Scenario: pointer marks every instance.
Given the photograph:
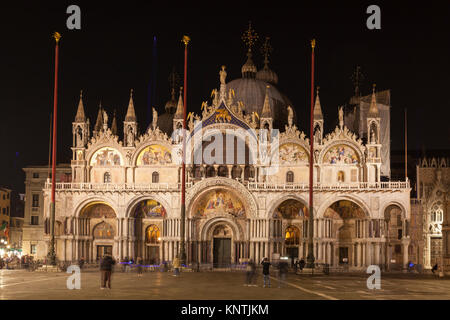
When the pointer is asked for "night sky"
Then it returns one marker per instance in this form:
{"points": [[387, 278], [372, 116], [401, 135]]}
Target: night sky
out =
{"points": [[112, 53]]}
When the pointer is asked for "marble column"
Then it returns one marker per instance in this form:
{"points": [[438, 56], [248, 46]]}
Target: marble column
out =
{"points": [[405, 255]]}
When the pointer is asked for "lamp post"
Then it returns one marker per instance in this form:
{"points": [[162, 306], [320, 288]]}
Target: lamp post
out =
{"points": [[51, 255]]}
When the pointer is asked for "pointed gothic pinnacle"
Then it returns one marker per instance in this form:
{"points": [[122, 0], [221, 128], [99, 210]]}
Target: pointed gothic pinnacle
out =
{"points": [[266, 111], [373, 110], [80, 116], [317, 107], [179, 113], [131, 114]]}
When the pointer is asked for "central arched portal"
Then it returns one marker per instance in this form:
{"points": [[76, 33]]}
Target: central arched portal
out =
{"points": [[222, 237]]}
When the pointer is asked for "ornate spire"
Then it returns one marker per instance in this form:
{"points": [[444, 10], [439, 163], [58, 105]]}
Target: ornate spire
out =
{"points": [[266, 110], [114, 124], [373, 110], [266, 74], [317, 107], [99, 123], [249, 38], [131, 115], [80, 116], [179, 112]]}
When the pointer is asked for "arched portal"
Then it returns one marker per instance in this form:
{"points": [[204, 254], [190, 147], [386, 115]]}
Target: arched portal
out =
{"points": [[146, 219], [344, 224], [289, 229], [395, 231], [222, 238], [152, 244], [96, 224]]}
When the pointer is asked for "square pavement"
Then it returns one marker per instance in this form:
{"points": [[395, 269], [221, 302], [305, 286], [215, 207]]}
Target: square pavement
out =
{"points": [[20, 284]]}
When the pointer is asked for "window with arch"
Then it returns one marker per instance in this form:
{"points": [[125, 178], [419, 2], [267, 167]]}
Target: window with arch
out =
{"points": [[437, 213], [289, 177], [292, 236], [341, 176], [107, 177], [155, 177], [153, 235]]}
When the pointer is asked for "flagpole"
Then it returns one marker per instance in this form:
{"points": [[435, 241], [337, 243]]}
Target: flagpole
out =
{"points": [[406, 146], [51, 251], [310, 258], [185, 40]]}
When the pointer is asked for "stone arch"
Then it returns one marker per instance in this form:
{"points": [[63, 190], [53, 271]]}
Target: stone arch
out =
{"points": [[131, 205], [394, 203], [91, 153], [97, 233], [284, 150], [248, 139], [199, 189], [141, 148], [331, 200], [279, 201], [95, 200], [207, 228], [347, 143]]}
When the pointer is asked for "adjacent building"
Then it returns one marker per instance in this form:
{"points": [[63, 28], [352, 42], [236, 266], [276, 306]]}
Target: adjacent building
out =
{"points": [[33, 242], [5, 213]]}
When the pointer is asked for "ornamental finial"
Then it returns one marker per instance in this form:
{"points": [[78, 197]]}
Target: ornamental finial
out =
{"points": [[250, 37], [186, 40], [266, 50], [57, 36]]}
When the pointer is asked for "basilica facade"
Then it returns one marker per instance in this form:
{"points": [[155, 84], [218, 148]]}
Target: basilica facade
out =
{"points": [[125, 194]]}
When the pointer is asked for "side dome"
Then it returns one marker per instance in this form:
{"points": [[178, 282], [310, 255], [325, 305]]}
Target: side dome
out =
{"points": [[267, 75]]}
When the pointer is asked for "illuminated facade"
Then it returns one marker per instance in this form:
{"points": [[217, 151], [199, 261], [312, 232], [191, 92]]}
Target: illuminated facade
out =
{"points": [[124, 197]]}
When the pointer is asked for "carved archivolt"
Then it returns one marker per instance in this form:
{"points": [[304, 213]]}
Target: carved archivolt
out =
{"points": [[199, 189]]}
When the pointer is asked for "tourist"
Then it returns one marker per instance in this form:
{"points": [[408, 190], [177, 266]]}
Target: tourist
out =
{"points": [[251, 268], [81, 263], [295, 266], [266, 274], [282, 271], [140, 262], [176, 266], [435, 268], [301, 264], [106, 269]]}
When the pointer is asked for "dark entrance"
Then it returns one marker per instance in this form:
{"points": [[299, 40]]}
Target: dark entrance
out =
{"points": [[153, 254], [343, 255], [102, 250], [292, 252], [222, 252]]}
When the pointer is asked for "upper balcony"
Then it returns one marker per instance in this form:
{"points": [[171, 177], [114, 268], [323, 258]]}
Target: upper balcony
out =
{"points": [[252, 186]]}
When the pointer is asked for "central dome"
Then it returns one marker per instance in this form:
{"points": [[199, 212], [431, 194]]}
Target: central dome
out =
{"points": [[252, 92]]}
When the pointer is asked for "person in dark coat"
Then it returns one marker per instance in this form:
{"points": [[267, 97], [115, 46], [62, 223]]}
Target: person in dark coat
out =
{"points": [[140, 268], [266, 273], [435, 268], [282, 271], [81, 263], [301, 264], [106, 266]]}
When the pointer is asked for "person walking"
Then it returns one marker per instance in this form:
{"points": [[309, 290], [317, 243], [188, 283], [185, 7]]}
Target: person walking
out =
{"points": [[282, 271], [140, 262], [266, 274], [106, 266], [435, 268], [248, 273], [301, 264], [176, 266]]}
